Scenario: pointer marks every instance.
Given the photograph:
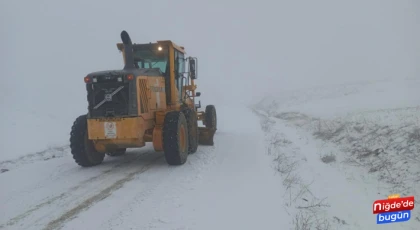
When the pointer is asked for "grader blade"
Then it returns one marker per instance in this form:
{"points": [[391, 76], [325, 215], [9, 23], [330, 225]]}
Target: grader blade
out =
{"points": [[206, 136]]}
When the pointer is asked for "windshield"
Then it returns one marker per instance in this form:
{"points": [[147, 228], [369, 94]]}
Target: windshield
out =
{"points": [[150, 56]]}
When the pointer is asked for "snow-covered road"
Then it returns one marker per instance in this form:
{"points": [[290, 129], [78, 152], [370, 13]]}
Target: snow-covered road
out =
{"points": [[300, 161], [227, 186]]}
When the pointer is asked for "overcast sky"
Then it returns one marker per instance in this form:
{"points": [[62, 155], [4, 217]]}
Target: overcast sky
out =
{"points": [[245, 48]]}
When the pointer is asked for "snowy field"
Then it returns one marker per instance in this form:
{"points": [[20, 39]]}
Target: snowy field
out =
{"points": [[307, 159], [339, 148]]}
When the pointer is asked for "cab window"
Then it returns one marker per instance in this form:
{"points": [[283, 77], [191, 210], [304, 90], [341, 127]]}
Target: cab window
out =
{"points": [[179, 70]]}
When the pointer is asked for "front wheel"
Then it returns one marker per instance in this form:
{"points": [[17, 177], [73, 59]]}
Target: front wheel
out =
{"points": [[211, 117], [82, 149], [191, 117], [175, 138]]}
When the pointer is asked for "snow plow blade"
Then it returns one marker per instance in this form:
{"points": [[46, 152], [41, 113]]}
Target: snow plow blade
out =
{"points": [[206, 136]]}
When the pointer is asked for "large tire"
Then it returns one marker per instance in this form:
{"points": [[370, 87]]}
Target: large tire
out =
{"points": [[211, 117], [175, 138], [82, 149], [117, 153], [191, 117]]}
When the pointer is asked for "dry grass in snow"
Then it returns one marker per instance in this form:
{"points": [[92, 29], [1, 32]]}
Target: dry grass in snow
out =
{"points": [[307, 210], [387, 151], [372, 130]]}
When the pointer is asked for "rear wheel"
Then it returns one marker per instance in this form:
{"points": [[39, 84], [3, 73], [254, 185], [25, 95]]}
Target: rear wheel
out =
{"points": [[175, 138], [82, 149], [211, 117], [191, 117], [116, 153]]}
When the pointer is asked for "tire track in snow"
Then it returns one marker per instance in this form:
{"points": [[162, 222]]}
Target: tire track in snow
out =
{"points": [[61, 172], [69, 196], [20, 217], [63, 195], [150, 196], [98, 197]]}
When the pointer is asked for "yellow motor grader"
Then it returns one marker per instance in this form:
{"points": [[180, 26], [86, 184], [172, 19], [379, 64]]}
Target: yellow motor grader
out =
{"points": [[152, 99]]}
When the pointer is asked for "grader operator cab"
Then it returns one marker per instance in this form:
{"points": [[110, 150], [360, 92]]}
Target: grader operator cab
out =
{"points": [[152, 99]]}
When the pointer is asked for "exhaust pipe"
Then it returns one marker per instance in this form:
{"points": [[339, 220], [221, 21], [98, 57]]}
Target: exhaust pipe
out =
{"points": [[128, 50]]}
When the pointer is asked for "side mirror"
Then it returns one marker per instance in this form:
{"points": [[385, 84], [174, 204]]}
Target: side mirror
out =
{"points": [[197, 94], [193, 69]]}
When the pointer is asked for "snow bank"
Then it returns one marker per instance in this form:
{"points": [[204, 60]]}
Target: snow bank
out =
{"points": [[371, 130]]}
